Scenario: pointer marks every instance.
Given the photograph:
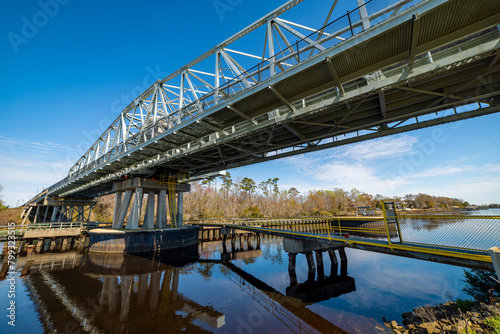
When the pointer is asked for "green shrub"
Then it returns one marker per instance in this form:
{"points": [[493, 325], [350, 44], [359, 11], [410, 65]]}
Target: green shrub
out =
{"points": [[495, 323], [465, 305]]}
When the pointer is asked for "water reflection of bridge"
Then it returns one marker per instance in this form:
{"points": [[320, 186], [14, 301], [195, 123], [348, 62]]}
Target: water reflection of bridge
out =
{"points": [[113, 293], [119, 292]]}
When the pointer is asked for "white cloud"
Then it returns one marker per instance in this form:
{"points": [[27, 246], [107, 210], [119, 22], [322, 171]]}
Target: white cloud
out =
{"points": [[26, 167], [380, 148], [443, 170], [381, 167]]}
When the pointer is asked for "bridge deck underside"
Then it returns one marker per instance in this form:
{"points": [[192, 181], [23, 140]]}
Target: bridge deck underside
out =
{"points": [[309, 112]]}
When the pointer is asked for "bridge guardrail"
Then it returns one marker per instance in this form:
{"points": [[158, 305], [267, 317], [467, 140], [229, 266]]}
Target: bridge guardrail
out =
{"points": [[330, 34], [465, 234], [468, 233]]}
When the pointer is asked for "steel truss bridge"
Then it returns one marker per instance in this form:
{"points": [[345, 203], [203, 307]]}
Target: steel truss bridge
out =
{"points": [[382, 68]]}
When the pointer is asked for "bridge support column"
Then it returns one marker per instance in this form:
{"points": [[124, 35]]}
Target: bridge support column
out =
{"points": [[36, 214], [343, 262], [319, 264], [161, 210], [292, 257], [138, 187], [180, 204], [333, 259], [149, 216], [54, 213], [122, 210], [312, 268], [135, 212], [118, 204]]}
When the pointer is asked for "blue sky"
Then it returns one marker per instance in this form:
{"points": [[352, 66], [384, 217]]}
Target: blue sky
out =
{"points": [[70, 66]]}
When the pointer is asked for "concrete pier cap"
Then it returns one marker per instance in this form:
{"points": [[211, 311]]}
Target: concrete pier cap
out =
{"points": [[304, 246], [148, 185]]}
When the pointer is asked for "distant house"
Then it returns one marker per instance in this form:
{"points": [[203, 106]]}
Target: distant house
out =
{"points": [[366, 210]]}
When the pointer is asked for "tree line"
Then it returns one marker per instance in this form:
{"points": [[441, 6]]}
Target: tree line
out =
{"points": [[2, 205], [245, 198]]}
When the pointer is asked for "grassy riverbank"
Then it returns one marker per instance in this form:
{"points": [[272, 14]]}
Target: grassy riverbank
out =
{"points": [[10, 215]]}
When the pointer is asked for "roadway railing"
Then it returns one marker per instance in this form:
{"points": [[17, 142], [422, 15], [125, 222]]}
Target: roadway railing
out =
{"points": [[61, 225], [306, 47]]}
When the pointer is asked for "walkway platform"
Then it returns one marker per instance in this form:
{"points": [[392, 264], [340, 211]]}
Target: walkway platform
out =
{"points": [[441, 254]]}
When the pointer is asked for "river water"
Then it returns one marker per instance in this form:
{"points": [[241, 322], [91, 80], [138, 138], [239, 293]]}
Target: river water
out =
{"points": [[196, 292]]}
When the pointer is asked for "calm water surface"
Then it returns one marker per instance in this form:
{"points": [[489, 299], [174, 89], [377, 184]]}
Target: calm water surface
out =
{"points": [[196, 292]]}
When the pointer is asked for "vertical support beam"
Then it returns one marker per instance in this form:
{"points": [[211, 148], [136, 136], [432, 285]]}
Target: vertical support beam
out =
{"points": [[161, 210], [343, 262], [71, 211], [217, 77], [181, 98], [135, 212], [311, 267], [149, 217], [64, 244], [415, 31], [118, 204], [292, 257], [81, 214], [54, 213], [123, 209], [335, 265], [319, 264], [90, 211], [180, 204], [363, 14], [36, 214], [45, 215], [270, 41]]}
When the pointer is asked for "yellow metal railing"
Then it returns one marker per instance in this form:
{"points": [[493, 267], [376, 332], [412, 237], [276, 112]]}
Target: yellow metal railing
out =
{"points": [[461, 236]]}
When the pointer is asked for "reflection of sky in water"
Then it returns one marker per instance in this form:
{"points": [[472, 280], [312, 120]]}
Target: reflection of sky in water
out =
{"points": [[470, 233], [386, 286], [26, 317]]}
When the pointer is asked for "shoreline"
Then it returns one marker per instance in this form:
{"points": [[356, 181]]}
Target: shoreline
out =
{"points": [[451, 317]]}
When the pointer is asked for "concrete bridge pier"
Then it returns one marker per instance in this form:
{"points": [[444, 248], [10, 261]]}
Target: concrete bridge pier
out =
{"points": [[292, 257], [311, 273], [129, 194], [333, 259], [319, 264]]}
